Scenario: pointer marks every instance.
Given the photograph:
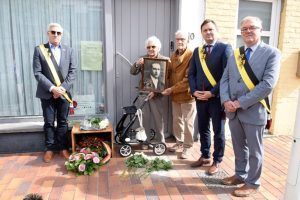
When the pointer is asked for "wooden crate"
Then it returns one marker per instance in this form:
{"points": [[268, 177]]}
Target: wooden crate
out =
{"points": [[105, 134]]}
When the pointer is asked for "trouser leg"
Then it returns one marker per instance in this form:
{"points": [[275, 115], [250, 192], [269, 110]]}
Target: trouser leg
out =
{"points": [[188, 114], [62, 123], [178, 122], [203, 126], [49, 111]]}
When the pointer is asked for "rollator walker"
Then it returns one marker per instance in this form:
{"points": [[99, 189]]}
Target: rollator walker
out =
{"points": [[127, 136]]}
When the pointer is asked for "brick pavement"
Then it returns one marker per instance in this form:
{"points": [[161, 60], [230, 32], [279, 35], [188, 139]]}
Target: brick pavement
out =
{"points": [[21, 174]]}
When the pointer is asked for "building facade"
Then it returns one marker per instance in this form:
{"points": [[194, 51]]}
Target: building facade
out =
{"points": [[108, 35]]}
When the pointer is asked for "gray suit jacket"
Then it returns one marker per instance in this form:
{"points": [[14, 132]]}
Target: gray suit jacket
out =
{"points": [[265, 63], [44, 77]]}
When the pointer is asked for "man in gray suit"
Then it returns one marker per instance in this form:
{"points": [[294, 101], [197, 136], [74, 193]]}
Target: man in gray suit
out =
{"points": [[54, 68], [251, 74]]}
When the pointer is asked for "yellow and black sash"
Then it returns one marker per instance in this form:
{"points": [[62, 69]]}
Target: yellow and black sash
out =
{"points": [[53, 66], [205, 68], [248, 75]]}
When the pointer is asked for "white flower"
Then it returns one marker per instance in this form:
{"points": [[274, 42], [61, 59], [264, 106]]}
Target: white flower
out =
{"points": [[104, 123]]}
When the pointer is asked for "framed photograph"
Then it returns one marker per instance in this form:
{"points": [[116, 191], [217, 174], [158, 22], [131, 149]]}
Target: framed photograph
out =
{"points": [[154, 74]]}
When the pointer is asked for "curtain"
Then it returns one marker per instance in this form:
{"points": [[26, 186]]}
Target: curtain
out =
{"points": [[23, 24]]}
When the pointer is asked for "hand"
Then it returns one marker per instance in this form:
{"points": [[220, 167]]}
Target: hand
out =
{"points": [[230, 106], [140, 61], [58, 91], [203, 95], [237, 104], [167, 91], [150, 95]]}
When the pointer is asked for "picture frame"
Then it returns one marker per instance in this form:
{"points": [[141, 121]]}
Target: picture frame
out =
{"points": [[154, 75]]}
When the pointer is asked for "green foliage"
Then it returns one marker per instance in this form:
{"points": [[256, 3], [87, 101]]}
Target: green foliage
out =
{"points": [[140, 162], [158, 164], [136, 161], [95, 121]]}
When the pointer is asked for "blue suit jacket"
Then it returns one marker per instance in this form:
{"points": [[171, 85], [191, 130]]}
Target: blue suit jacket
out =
{"points": [[43, 75], [265, 63], [216, 62]]}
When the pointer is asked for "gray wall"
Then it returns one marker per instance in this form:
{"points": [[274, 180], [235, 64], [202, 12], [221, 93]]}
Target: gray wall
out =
{"points": [[135, 21]]}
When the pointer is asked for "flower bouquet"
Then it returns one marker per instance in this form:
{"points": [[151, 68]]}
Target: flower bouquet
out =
{"points": [[89, 159], [95, 123]]}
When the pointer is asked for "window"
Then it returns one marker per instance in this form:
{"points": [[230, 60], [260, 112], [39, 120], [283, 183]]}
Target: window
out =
{"points": [[23, 28], [268, 11]]}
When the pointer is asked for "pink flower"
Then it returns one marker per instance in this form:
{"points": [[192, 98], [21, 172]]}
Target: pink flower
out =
{"points": [[82, 150], [72, 158], [77, 157], [81, 167], [88, 156], [85, 151], [94, 154], [96, 160]]}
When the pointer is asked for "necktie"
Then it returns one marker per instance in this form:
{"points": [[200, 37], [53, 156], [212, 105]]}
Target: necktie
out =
{"points": [[208, 49], [248, 51]]}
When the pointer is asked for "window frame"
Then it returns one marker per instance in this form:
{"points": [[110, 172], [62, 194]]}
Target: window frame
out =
{"points": [[273, 34]]}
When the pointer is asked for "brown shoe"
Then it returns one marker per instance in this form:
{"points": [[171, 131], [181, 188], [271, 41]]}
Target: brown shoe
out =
{"points": [[214, 168], [175, 147], [201, 162], [48, 156], [65, 154], [245, 191], [232, 180]]}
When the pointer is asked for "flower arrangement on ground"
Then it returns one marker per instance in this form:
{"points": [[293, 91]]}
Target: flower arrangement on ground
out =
{"points": [[145, 165], [89, 159]]}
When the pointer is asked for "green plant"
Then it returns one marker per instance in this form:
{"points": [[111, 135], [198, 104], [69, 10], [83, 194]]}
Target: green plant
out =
{"points": [[95, 122], [146, 166], [138, 160], [159, 164]]}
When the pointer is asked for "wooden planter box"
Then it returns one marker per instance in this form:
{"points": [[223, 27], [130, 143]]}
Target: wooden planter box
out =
{"points": [[104, 134]]}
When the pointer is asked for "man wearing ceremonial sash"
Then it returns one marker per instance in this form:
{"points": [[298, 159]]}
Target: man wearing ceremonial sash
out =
{"points": [[206, 68], [251, 74], [54, 68]]}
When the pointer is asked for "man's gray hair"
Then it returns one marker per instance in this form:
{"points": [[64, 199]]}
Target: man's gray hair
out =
{"points": [[155, 40], [54, 25], [182, 32], [251, 18]]}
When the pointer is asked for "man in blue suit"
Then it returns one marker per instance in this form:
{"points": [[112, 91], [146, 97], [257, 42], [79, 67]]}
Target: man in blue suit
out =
{"points": [[206, 69], [251, 74], [54, 68]]}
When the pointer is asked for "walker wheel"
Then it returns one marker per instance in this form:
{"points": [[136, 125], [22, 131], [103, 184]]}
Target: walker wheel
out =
{"points": [[159, 149], [118, 139], [152, 134], [125, 150]]}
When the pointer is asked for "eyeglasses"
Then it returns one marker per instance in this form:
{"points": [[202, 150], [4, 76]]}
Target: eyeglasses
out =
{"points": [[251, 28], [149, 47], [55, 32]]}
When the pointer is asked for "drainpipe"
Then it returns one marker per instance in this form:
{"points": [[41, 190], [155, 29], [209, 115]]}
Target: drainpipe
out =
{"points": [[292, 190]]}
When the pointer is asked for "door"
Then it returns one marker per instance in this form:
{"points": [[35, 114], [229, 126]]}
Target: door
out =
{"points": [[134, 22]]}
